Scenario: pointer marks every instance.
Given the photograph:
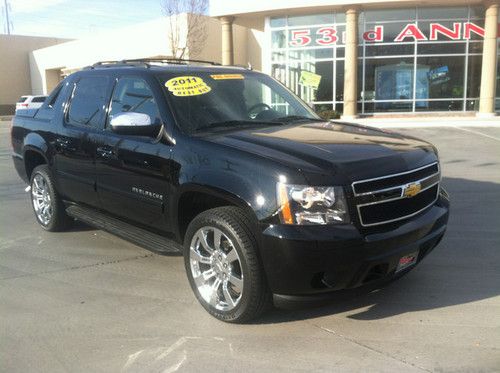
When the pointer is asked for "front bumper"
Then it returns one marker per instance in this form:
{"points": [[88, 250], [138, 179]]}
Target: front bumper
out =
{"points": [[306, 260]]}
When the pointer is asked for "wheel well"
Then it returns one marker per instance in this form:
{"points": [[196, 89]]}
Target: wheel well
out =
{"points": [[193, 203], [31, 160]]}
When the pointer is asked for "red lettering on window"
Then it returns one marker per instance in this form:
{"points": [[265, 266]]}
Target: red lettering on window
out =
{"points": [[329, 34], [411, 31], [454, 34], [377, 34], [300, 38], [470, 27]]}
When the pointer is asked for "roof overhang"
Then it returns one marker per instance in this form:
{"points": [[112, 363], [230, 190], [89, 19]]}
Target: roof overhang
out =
{"points": [[252, 13]]}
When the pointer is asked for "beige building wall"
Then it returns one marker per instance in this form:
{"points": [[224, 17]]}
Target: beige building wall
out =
{"points": [[15, 67]]}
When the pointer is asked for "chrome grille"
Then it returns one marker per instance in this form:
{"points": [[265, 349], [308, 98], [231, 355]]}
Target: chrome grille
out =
{"points": [[398, 196]]}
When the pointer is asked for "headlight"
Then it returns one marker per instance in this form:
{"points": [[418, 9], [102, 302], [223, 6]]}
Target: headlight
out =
{"points": [[302, 204]]}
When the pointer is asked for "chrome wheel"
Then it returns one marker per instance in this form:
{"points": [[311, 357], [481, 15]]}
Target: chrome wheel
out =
{"points": [[216, 268], [42, 202]]}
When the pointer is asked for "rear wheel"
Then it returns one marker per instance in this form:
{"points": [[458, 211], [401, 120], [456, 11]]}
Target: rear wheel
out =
{"points": [[223, 267], [48, 207]]}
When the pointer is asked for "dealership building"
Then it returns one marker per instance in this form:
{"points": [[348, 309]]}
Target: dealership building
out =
{"points": [[374, 57], [355, 58]]}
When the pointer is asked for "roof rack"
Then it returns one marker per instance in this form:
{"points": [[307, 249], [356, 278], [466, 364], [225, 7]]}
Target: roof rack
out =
{"points": [[146, 62], [180, 61]]}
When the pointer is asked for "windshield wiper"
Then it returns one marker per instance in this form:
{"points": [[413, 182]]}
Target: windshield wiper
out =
{"points": [[235, 123], [294, 118]]}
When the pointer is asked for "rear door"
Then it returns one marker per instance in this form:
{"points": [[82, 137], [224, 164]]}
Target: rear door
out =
{"points": [[75, 144], [133, 171]]}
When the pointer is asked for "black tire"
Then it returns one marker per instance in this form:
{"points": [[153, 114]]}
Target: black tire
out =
{"points": [[58, 220], [237, 227]]}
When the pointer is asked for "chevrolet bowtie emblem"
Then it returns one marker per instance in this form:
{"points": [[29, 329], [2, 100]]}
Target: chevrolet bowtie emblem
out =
{"points": [[411, 190]]}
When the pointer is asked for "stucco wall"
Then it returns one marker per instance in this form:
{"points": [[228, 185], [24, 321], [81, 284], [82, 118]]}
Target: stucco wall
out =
{"points": [[15, 67]]}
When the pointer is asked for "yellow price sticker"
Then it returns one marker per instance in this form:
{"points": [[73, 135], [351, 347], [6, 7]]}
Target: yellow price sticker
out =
{"points": [[187, 86], [227, 76]]}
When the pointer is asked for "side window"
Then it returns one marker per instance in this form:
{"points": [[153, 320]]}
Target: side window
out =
{"points": [[134, 95], [47, 111], [51, 100], [39, 99], [88, 102]]}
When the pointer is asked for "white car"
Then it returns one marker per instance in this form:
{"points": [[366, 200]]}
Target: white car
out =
{"points": [[30, 102]]}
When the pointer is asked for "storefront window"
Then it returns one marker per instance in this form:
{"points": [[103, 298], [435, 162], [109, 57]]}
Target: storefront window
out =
{"points": [[442, 48], [453, 13], [278, 21], [474, 65], [306, 51], [442, 76], [315, 19], [407, 14], [278, 39], [389, 50], [411, 59]]}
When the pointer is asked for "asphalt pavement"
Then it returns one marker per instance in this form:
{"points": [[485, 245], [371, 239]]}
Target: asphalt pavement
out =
{"points": [[87, 301]]}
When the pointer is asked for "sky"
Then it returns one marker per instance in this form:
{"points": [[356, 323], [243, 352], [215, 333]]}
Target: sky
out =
{"points": [[75, 19]]}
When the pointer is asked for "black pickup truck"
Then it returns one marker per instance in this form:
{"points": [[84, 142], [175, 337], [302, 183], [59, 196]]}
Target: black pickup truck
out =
{"points": [[268, 199]]}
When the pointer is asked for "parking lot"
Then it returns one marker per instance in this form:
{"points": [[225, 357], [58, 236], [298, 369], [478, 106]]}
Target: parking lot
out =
{"points": [[85, 300]]}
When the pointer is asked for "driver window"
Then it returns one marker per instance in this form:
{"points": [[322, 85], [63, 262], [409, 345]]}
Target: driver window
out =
{"points": [[134, 95]]}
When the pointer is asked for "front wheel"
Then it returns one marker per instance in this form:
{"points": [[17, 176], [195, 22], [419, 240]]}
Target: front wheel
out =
{"points": [[222, 265]]}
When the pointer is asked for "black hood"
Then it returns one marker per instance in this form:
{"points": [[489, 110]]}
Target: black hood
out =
{"points": [[355, 151]]}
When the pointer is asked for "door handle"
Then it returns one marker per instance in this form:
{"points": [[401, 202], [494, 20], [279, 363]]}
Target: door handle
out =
{"points": [[105, 152]]}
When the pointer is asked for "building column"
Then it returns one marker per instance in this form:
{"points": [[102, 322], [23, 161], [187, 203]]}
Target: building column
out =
{"points": [[227, 40], [351, 65], [489, 64]]}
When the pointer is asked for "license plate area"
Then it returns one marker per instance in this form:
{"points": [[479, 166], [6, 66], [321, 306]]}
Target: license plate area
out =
{"points": [[407, 261]]}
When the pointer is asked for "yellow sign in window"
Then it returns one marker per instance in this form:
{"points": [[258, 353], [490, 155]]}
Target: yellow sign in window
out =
{"points": [[309, 79], [187, 86]]}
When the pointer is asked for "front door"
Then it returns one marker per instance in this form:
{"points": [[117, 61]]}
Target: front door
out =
{"points": [[133, 171]]}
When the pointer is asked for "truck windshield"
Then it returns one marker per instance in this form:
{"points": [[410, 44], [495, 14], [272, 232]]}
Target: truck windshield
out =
{"points": [[205, 101]]}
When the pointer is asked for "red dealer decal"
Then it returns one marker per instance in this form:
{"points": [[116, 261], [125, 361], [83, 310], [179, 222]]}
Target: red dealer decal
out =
{"points": [[377, 34], [454, 34], [329, 35], [300, 38], [471, 27], [411, 31]]}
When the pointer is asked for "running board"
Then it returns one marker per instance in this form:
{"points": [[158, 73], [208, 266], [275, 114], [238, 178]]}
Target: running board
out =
{"points": [[146, 239]]}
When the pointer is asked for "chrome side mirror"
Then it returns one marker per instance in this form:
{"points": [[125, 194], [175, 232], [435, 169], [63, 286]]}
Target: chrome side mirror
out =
{"points": [[134, 124]]}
